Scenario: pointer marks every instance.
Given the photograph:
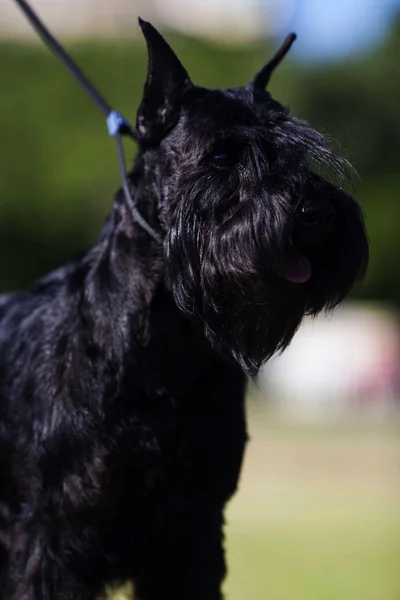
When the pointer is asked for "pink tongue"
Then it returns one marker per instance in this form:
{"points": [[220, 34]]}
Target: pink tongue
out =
{"points": [[298, 270]]}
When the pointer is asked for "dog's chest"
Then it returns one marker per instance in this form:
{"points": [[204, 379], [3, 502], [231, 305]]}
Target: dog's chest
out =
{"points": [[195, 442]]}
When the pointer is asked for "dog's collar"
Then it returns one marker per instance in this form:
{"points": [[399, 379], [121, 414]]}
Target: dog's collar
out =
{"points": [[116, 124]]}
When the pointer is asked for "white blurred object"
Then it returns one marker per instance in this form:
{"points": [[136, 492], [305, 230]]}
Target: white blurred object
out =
{"points": [[239, 20], [350, 358], [76, 18], [229, 19]]}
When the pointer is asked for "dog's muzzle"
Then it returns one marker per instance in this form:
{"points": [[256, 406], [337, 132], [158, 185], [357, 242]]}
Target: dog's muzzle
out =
{"points": [[314, 225]]}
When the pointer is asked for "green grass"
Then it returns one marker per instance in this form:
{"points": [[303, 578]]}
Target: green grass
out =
{"points": [[317, 515]]}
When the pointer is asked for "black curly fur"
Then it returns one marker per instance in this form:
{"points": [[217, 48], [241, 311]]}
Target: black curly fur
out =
{"points": [[122, 424]]}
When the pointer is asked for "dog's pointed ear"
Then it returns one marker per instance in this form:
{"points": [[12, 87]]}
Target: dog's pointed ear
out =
{"points": [[262, 78], [167, 81]]}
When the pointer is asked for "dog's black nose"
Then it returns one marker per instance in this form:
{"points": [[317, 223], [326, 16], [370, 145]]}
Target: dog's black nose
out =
{"points": [[317, 215], [314, 224]]}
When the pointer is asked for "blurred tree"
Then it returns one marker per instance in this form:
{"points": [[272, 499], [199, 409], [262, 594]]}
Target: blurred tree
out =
{"points": [[58, 169]]}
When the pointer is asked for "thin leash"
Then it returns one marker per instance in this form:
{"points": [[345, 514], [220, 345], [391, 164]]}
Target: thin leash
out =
{"points": [[117, 125]]}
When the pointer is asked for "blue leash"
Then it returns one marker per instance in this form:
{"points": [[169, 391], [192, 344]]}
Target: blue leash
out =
{"points": [[117, 125]]}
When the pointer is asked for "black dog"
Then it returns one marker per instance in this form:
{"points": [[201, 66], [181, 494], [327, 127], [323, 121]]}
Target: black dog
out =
{"points": [[122, 424]]}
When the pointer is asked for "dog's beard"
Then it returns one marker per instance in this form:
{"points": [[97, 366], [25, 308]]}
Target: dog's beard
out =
{"points": [[341, 263], [220, 279], [232, 264], [250, 323], [230, 276]]}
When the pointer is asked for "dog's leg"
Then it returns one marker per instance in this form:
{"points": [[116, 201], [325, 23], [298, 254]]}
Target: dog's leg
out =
{"points": [[32, 570], [40, 589], [183, 557], [187, 561]]}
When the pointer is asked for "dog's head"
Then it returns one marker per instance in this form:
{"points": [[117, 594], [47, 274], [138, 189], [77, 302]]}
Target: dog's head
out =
{"points": [[256, 236]]}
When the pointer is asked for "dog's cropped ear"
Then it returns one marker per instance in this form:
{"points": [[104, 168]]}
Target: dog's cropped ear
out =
{"points": [[262, 78], [167, 80]]}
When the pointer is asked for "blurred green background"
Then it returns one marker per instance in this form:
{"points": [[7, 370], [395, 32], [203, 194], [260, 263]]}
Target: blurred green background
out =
{"points": [[317, 516], [58, 168]]}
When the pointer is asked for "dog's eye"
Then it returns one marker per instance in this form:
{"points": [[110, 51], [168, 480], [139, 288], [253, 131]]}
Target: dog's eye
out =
{"points": [[222, 161], [224, 158]]}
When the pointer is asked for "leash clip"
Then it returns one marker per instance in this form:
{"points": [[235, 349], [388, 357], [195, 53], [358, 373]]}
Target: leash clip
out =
{"points": [[116, 123]]}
